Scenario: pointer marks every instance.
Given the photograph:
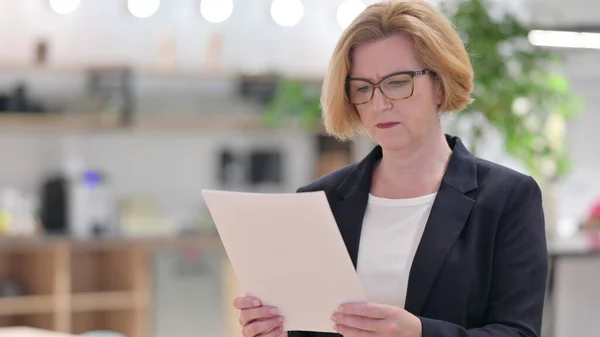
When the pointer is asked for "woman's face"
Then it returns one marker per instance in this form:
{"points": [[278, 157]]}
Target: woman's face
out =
{"points": [[394, 124]]}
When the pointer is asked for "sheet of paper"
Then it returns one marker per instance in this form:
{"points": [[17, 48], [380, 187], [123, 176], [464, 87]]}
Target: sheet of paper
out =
{"points": [[287, 250]]}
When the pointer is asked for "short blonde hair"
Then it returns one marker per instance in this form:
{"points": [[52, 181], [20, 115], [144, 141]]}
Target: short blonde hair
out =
{"points": [[437, 45]]}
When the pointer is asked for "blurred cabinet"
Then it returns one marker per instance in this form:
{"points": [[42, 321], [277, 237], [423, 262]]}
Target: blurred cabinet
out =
{"points": [[188, 292], [76, 287], [109, 289], [28, 293]]}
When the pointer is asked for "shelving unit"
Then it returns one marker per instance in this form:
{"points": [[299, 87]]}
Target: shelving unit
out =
{"points": [[102, 122], [74, 287]]}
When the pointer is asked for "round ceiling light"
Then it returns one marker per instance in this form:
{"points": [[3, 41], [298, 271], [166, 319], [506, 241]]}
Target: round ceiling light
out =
{"points": [[287, 13], [216, 11], [143, 8], [64, 6]]}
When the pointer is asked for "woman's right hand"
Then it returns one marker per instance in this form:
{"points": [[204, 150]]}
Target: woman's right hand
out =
{"points": [[258, 320]]}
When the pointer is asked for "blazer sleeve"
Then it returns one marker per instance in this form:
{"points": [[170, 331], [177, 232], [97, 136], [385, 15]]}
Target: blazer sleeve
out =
{"points": [[520, 269]]}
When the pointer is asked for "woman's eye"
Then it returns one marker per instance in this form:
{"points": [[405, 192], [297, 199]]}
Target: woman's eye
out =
{"points": [[397, 83]]}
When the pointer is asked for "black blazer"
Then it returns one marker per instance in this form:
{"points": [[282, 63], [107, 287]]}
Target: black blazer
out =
{"points": [[481, 266]]}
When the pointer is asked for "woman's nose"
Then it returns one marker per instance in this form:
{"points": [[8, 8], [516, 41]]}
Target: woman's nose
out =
{"points": [[380, 102]]}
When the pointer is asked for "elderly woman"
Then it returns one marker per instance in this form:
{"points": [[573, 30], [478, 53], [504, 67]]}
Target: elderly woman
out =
{"points": [[445, 244]]}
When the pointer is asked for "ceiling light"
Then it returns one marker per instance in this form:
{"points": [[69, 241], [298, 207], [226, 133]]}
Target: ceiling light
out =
{"points": [[216, 11], [564, 39], [287, 13], [64, 6], [143, 8], [348, 10]]}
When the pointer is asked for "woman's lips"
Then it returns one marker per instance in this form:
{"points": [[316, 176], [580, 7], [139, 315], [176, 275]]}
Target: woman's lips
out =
{"points": [[386, 125]]}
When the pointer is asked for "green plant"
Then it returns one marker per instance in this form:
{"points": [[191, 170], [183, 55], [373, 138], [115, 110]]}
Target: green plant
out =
{"points": [[295, 99], [517, 87]]}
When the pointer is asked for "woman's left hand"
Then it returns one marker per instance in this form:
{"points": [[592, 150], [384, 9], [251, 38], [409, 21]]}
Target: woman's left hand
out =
{"points": [[375, 320]]}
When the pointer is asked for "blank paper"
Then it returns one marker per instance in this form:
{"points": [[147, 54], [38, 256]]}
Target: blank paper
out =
{"points": [[287, 250]]}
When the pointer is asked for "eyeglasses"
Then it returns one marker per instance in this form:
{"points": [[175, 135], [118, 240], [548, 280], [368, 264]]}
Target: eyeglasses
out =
{"points": [[395, 87]]}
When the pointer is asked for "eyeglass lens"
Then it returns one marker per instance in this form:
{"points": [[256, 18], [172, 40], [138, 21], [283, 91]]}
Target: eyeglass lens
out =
{"points": [[395, 87]]}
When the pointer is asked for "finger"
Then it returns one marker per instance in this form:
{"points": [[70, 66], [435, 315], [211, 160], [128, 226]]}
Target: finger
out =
{"points": [[360, 322], [249, 315], [347, 331], [372, 310], [261, 326], [277, 332], [246, 302]]}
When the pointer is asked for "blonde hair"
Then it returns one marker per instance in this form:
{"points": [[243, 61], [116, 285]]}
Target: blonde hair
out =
{"points": [[437, 45]]}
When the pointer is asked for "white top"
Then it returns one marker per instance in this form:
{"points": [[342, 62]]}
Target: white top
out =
{"points": [[391, 232]]}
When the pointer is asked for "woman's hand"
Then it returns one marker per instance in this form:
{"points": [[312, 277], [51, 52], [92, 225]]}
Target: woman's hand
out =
{"points": [[375, 320], [259, 320]]}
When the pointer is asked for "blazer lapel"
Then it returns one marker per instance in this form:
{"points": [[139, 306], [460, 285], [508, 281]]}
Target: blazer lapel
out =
{"points": [[449, 213], [349, 215], [349, 209]]}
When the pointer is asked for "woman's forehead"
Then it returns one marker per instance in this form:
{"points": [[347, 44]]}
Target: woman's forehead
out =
{"points": [[377, 59]]}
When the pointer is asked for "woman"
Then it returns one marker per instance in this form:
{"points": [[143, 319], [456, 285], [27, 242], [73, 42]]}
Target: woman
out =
{"points": [[444, 243]]}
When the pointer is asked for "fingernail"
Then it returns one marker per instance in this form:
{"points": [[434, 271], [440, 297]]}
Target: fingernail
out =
{"points": [[280, 320], [333, 318], [274, 311], [335, 327], [256, 303]]}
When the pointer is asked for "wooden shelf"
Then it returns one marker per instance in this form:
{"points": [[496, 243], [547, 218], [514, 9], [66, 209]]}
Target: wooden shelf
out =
{"points": [[126, 322], [57, 122], [104, 123], [44, 245], [39, 321], [26, 305], [107, 301], [306, 75]]}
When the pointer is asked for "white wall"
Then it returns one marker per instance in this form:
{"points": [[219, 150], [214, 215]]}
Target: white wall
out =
{"points": [[577, 294], [559, 13]]}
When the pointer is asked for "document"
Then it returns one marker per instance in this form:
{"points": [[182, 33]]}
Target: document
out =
{"points": [[287, 250]]}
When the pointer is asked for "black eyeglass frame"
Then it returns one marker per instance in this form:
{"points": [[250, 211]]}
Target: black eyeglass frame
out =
{"points": [[377, 85]]}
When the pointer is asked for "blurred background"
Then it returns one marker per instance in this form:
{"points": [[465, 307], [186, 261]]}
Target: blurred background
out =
{"points": [[115, 114]]}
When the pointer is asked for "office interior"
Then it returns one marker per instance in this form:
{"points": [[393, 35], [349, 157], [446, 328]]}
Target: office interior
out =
{"points": [[115, 114]]}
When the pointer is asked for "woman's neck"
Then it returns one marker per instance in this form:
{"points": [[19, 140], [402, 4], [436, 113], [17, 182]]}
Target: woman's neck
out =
{"points": [[412, 172]]}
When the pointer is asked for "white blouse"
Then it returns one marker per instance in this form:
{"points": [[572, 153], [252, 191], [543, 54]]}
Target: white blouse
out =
{"points": [[391, 232]]}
